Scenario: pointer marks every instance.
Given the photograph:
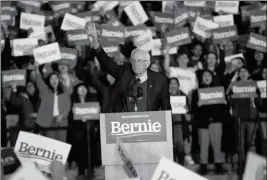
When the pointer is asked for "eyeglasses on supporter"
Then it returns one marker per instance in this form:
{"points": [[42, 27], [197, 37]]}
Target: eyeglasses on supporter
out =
{"points": [[132, 61]]}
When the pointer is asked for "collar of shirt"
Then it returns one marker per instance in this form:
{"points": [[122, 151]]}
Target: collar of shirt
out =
{"points": [[143, 78]]}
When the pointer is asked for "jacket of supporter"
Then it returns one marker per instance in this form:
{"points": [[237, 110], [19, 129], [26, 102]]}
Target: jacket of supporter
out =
{"points": [[26, 109], [206, 114], [158, 92], [45, 112]]}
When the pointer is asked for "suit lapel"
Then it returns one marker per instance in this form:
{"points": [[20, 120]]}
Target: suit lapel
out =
{"points": [[150, 87]]}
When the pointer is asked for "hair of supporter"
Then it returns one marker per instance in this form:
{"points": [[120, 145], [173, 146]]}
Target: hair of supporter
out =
{"points": [[176, 79], [211, 52], [240, 58], [60, 88], [147, 56], [75, 95], [154, 62]]}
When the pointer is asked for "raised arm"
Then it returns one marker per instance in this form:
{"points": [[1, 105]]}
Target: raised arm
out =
{"points": [[105, 61], [41, 86], [166, 63]]}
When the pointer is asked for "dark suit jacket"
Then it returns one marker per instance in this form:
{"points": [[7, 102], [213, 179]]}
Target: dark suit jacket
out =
{"points": [[158, 91]]}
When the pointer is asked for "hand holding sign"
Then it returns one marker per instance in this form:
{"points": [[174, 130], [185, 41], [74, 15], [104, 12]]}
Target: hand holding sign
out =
{"points": [[91, 31]]}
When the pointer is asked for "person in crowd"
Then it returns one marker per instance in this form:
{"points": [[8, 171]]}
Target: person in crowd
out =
{"points": [[258, 63], [78, 133], [197, 56], [245, 109], [182, 138], [187, 78], [261, 104], [210, 118], [155, 66], [154, 86], [55, 105], [25, 102], [68, 80]]}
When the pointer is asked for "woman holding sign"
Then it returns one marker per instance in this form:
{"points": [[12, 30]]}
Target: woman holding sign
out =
{"points": [[210, 109], [55, 105]]}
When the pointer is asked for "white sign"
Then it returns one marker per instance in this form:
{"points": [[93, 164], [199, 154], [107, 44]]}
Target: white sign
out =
{"points": [[47, 53], [41, 150], [158, 50], [230, 7], [24, 46], [71, 22], [136, 13], [27, 171], [195, 3], [224, 21], [144, 41], [178, 104], [202, 27], [169, 170], [34, 21], [106, 6], [262, 86], [229, 59], [255, 167], [39, 35]]}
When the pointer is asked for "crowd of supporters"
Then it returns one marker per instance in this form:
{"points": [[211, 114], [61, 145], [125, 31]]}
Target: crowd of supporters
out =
{"points": [[200, 64]]}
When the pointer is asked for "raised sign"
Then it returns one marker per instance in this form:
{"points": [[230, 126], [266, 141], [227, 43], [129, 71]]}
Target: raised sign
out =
{"points": [[88, 111]]}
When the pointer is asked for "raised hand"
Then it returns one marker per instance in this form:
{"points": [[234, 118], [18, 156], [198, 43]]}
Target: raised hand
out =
{"points": [[91, 31]]}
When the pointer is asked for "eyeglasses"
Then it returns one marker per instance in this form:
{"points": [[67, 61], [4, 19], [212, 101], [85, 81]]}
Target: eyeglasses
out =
{"points": [[139, 61]]}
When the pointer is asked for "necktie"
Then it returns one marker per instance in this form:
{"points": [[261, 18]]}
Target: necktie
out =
{"points": [[138, 81]]}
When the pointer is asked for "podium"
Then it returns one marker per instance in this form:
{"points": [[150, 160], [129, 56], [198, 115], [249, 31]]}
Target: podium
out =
{"points": [[147, 137]]}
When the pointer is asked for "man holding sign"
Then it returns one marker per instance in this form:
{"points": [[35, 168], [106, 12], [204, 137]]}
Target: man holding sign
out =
{"points": [[137, 88]]}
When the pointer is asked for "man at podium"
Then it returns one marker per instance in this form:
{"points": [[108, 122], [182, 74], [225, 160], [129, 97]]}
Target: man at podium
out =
{"points": [[137, 88]]}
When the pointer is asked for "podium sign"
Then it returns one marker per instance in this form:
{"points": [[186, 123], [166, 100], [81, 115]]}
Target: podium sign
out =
{"points": [[146, 136]]}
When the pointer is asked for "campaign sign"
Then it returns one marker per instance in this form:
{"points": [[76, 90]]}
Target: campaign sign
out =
{"points": [[178, 104], [224, 20], [244, 89], [209, 96], [88, 111], [220, 35], [230, 7], [180, 17], [7, 17], [136, 13], [14, 76], [257, 18], [203, 27], [71, 22], [132, 31], [125, 157], [61, 7], [144, 41], [34, 21], [257, 42], [90, 16], [158, 48], [255, 167], [104, 6], [138, 127], [40, 35], [178, 37], [34, 5], [27, 171], [113, 32], [262, 87], [47, 53], [70, 55], [161, 18], [195, 3], [24, 46], [41, 150], [9, 160], [169, 170], [77, 37], [111, 47]]}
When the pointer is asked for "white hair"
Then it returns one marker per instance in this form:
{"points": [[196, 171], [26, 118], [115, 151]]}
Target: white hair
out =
{"points": [[146, 54]]}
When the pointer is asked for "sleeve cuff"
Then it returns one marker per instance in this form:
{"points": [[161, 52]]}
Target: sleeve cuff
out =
{"points": [[98, 49]]}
